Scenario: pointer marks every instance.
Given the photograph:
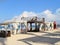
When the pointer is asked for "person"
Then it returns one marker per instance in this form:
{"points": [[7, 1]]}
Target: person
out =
{"points": [[17, 31], [12, 29], [51, 25], [54, 24]]}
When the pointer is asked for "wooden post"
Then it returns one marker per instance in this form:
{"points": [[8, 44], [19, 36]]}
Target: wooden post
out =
{"points": [[36, 26], [30, 26], [44, 23], [27, 27]]}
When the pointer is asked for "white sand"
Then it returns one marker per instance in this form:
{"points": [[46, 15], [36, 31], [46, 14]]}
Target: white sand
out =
{"points": [[33, 38]]}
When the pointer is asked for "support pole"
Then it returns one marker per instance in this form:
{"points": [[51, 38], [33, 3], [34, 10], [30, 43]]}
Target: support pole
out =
{"points": [[36, 26], [30, 26], [44, 23], [27, 27]]}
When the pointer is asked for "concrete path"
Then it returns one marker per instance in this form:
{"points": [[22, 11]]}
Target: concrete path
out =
{"points": [[33, 38]]}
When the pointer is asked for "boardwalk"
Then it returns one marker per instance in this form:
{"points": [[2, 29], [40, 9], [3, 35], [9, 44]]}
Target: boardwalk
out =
{"points": [[33, 38]]}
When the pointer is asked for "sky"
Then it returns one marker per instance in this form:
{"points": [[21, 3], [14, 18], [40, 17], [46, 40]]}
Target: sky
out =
{"points": [[12, 8]]}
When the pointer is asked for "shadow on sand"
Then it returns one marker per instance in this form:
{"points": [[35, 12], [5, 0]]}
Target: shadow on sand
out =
{"points": [[42, 39], [52, 34]]}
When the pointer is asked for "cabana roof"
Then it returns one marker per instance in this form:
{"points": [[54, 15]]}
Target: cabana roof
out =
{"points": [[33, 21]]}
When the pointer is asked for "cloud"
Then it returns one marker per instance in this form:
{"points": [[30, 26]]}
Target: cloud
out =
{"points": [[24, 14], [58, 11], [58, 14], [47, 14], [28, 14]]}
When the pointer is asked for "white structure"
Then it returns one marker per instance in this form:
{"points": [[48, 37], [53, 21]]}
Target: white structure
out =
{"points": [[48, 25]]}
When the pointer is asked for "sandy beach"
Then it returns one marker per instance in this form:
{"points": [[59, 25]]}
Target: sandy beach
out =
{"points": [[51, 37]]}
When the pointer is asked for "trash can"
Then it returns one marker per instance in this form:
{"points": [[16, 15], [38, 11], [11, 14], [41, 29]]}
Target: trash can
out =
{"points": [[3, 34], [8, 33]]}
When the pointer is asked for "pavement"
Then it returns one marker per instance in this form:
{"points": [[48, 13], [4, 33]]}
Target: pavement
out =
{"points": [[51, 37]]}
